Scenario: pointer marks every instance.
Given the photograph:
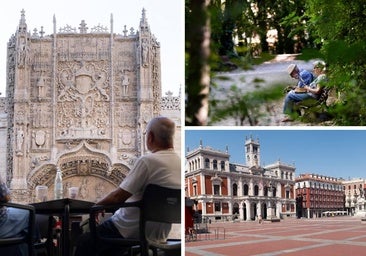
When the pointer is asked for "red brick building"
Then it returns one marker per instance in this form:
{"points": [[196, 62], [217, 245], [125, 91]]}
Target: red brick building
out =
{"points": [[318, 195], [223, 190]]}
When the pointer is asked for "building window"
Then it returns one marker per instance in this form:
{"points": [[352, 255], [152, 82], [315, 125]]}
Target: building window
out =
{"points": [[235, 189], [215, 164], [207, 163], [265, 191], [194, 189], [287, 194], [216, 189], [217, 207], [256, 190], [222, 166], [245, 190]]}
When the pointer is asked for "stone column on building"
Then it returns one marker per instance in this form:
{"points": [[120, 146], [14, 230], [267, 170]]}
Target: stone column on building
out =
{"points": [[261, 188], [229, 186], [251, 188], [240, 187], [259, 209], [203, 187], [241, 211], [249, 210]]}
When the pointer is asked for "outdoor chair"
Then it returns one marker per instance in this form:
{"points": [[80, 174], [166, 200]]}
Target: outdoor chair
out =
{"points": [[44, 233], [158, 204], [28, 238]]}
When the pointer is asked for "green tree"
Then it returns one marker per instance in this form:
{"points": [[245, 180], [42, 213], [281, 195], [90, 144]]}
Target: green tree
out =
{"points": [[339, 26], [197, 69]]}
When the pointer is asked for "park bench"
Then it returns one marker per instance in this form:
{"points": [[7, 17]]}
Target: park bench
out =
{"points": [[314, 109]]}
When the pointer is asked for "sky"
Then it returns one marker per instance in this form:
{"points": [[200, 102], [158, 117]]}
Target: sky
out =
{"points": [[333, 153], [165, 17]]}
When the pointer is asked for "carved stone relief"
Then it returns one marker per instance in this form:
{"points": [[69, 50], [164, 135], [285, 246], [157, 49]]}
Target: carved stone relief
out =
{"points": [[83, 100], [60, 92]]}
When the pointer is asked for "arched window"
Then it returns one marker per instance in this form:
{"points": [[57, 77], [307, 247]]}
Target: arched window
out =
{"points": [[256, 190], [265, 191], [222, 166], [246, 190], [207, 163], [215, 164], [235, 189]]}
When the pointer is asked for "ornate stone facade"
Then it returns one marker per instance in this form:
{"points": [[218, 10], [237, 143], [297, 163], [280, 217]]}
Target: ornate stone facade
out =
{"points": [[80, 100]]}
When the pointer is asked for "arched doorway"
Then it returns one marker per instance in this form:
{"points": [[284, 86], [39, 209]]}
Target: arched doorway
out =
{"points": [[92, 172], [235, 211], [253, 211], [244, 211], [264, 211]]}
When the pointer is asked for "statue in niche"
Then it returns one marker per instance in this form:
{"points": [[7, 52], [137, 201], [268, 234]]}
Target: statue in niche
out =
{"points": [[41, 84], [20, 141], [145, 53], [23, 55], [125, 83]]}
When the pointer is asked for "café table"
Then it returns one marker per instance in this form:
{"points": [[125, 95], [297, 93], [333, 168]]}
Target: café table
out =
{"points": [[64, 208]]}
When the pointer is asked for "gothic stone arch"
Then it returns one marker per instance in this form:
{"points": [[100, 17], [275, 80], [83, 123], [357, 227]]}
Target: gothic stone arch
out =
{"points": [[90, 171]]}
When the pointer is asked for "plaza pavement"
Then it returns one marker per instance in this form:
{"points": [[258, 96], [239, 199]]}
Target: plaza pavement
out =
{"points": [[332, 236]]}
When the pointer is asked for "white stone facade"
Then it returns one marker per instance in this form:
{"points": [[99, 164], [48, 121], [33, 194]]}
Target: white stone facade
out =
{"points": [[79, 100]]}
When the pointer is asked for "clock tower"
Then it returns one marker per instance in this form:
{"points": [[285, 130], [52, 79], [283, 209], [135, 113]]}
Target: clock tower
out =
{"points": [[252, 152]]}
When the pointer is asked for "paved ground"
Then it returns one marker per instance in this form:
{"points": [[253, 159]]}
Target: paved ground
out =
{"points": [[334, 236]]}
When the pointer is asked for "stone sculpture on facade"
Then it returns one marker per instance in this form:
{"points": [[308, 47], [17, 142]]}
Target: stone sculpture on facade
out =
{"points": [[79, 100]]}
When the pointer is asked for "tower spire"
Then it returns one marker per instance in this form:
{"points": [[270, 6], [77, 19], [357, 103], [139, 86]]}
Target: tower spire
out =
{"points": [[22, 24], [144, 26]]}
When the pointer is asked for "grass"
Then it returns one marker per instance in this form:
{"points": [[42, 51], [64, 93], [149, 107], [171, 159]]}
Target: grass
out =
{"points": [[264, 56], [309, 54]]}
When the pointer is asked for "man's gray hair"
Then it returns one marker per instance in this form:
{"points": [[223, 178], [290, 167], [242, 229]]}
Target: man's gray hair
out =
{"points": [[163, 129]]}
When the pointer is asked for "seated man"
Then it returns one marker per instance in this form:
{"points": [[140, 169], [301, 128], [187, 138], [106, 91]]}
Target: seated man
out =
{"points": [[13, 223], [299, 93], [162, 167]]}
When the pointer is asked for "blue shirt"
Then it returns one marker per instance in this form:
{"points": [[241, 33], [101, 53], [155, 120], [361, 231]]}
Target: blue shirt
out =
{"points": [[305, 78]]}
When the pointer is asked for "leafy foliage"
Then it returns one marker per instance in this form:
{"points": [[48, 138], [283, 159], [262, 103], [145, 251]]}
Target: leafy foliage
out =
{"points": [[250, 106], [340, 26]]}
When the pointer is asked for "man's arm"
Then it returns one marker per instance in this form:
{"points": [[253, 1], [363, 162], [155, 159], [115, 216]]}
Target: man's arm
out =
{"points": [[306, 77], [117, 196]]}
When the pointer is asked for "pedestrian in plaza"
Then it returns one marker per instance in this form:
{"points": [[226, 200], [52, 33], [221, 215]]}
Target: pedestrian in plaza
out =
{"points": [[260, 220], [300, 92], [13, 223], [161, 167]]}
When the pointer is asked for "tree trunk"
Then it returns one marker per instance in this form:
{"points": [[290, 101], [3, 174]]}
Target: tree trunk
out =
{"points": [[198, 70]]}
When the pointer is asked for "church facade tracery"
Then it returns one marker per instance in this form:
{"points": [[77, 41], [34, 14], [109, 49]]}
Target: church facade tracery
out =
{"points": [[78, 99]]}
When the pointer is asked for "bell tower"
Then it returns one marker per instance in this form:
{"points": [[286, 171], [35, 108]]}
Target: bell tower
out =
{"points": [[252, 152]]}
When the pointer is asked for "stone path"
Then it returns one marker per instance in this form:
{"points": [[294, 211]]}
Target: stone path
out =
{"points": [[333, 236], [271, 72]]}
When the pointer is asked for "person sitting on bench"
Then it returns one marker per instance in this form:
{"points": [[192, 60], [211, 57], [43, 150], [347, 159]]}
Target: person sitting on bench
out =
{"points": [[308, 91]]}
